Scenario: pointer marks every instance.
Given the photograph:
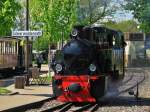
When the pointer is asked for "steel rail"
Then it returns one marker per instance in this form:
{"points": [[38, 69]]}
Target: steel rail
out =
{"points": [[66, 107], [33, 105], [93, 108], [54, 108], [85, 107], [133, 86]]}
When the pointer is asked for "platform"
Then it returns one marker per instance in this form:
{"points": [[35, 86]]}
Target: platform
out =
{"points": [[25, 96], [29, 94]]}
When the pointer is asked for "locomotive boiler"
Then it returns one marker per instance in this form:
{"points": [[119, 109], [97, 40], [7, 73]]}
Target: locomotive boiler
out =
{"points": [[85, 65]]}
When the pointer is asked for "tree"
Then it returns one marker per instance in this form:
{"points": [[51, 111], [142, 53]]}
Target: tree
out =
{"points": [[8, 11], [57, 18], [141, 11], [91, 11]]}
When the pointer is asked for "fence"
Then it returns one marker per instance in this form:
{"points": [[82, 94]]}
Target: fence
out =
{"points": [[137, 51]]}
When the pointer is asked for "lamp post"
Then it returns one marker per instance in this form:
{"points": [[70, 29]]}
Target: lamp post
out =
{"points": [[27, 38], [144, 39], [27, 14]]}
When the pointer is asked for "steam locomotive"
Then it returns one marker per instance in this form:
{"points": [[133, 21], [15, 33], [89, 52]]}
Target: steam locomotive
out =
{"points": [[85, 65]]}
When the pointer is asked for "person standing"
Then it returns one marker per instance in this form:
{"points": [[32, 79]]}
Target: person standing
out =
{"points": [[39, 60]]}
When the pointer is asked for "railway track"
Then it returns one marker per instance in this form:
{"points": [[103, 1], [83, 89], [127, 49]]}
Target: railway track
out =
{"points": [[131, 81], [72, 107], [135, 77]]}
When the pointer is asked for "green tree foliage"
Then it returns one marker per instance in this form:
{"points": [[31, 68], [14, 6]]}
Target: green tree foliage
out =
{"points": [[8, 11], [54, 17], [92, 11], [141, 11], [124, 26]]}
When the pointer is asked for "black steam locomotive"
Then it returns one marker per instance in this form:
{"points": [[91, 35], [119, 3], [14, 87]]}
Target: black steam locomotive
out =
{"points": [[86, 64]]}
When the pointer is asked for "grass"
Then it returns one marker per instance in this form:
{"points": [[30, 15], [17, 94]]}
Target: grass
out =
{"points": [[44, 62], [47, 79], [4, 90]]}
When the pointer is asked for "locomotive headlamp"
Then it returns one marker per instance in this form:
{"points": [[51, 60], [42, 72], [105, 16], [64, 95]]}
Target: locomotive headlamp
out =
{"points": [[58, 67], [74, 32], [92, 67]]}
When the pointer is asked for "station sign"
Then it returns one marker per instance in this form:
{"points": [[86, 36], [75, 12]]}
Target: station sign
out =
{"points": [[27, 33]]}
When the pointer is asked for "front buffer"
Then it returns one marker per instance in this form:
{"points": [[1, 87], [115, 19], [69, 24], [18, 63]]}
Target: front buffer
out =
{"points": [[74, 88]]}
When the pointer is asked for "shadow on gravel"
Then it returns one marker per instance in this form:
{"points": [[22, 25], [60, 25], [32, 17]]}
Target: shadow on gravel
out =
{"points": [[126, 101]]}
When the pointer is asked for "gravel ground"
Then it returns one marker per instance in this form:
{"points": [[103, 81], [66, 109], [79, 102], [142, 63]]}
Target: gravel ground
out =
{"points": [[129, 104], [145, 88], [124, 109], [45, 106]]}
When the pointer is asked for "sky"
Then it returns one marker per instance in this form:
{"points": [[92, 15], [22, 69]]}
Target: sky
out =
{"points": [[122, 15]]}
